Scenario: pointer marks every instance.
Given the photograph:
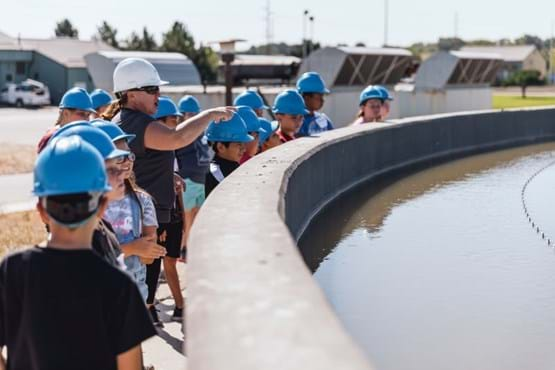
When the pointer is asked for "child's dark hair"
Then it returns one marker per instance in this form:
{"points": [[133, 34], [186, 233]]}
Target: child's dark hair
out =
{"points": [[72, 208], [214, 145]]}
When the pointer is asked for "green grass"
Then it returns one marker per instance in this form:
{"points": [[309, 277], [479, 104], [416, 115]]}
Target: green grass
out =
{"points": [[509, 101]]}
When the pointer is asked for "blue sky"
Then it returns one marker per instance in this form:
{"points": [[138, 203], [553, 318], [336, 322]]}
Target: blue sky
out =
{"points": [[347, 21]]}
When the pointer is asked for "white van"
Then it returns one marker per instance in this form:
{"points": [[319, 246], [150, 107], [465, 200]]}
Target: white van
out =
{"points": [[27, 93]]}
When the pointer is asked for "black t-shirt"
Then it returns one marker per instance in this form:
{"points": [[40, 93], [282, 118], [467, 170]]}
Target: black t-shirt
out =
{"points": [[194, 159], [153, 168], [219, 169], [105, 243], [68, 309]]}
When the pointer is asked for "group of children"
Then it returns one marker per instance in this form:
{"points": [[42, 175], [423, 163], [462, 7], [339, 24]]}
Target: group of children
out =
{"points": [[111, 218]]}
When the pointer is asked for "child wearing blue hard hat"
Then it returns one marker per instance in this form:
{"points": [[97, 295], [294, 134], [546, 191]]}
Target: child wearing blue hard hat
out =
{"points": [[76, 105], [105, 242], [387, 98], [228, 139], [193, 162], [370, 103], [253, 129], [101, 100], [170, 233], [312, 88], [131, 214], [289, 110], [64, 296], [251, 99], [268, 138]]}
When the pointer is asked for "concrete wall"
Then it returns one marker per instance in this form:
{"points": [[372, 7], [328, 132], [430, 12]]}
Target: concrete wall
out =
{"points": [[252, 304], [342, 104]]}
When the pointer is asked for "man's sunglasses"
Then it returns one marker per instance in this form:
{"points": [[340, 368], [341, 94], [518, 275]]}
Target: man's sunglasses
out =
{"points": [[151, 90]]}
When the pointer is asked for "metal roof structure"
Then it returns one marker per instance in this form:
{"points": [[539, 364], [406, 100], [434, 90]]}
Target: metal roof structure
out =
{"points": [[358, 66], [66, 51], [248, 68], [176, 68], [457, 68], [511, 53]]}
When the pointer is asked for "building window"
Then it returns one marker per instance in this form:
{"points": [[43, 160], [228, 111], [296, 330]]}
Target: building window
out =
{"points": [[20, 68], [9, 77]]}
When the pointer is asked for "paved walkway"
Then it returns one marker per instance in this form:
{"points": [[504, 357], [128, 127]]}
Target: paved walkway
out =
{"points": [[25, 126], [165, 351], [15, 193]]}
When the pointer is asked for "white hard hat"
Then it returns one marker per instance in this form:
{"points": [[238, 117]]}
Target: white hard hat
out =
{"points": [[134, 73]]}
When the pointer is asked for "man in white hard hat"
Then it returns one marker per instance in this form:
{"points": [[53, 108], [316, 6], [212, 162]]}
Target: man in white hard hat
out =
{"points": [[137, 87]]}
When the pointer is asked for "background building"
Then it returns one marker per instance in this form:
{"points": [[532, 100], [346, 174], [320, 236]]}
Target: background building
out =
{"points": [[57, 62], [515, 58]]}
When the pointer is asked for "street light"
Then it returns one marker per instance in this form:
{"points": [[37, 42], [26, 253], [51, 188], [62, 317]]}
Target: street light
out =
{"points": [[551, 80], [227, 54], [305, 16], [385, 22]]}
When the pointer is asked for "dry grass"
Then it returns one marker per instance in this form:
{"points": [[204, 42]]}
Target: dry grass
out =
{"points": [[16, 158], [20, 229]]}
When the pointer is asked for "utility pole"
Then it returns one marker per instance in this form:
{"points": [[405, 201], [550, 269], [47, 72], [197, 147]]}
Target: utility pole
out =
{"points": [[311, 43], [550, 80], [456, 25], [385, 22], [269, 27], [305, 16]]}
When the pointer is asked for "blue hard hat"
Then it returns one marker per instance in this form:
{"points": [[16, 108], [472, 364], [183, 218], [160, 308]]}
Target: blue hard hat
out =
{"points": [[166, 107], [232, 130], [311, 82], [267, 128], [370, 92], [100, 98], [69, 165], [385, 92], [251, 99], [189, 104], [289, 102], [112, 130], [94, 136], [249, 117], [77, 98]]}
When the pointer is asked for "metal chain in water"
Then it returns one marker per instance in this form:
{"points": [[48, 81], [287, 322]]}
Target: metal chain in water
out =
{"points": [[550, 241]]}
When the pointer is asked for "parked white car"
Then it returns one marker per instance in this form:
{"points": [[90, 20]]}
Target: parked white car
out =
{"points": [[27, 93]]}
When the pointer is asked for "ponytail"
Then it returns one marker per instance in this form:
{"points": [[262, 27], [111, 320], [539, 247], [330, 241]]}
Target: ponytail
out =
{"points": [[114, 108]]}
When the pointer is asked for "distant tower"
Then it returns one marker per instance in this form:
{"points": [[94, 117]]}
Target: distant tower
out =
{"points": [[456, 25], [385, 22], [269, 26]]}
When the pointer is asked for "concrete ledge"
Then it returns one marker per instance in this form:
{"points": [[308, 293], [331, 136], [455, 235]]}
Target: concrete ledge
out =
{"points": [[252, 302]]}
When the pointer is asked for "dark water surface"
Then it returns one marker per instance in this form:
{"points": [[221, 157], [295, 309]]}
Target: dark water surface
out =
{"points": [[441, 269]]}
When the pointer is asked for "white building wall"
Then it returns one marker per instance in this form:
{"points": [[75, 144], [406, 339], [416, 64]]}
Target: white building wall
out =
{"points": [[341, 105]]}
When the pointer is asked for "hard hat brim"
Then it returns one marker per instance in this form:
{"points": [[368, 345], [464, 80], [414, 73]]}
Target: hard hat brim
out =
{"points": [[117, 153], [127, 137]]}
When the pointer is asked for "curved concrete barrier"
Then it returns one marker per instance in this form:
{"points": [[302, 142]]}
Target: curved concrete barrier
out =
{"points": [[252, 303]]}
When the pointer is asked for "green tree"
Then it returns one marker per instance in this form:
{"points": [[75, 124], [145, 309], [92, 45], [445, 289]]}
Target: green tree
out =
{"points": [[108, 34], [179, 39], [206, 61], [525, 78], [450, 43], [530, 40], [64, 28], [144, 42]]}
